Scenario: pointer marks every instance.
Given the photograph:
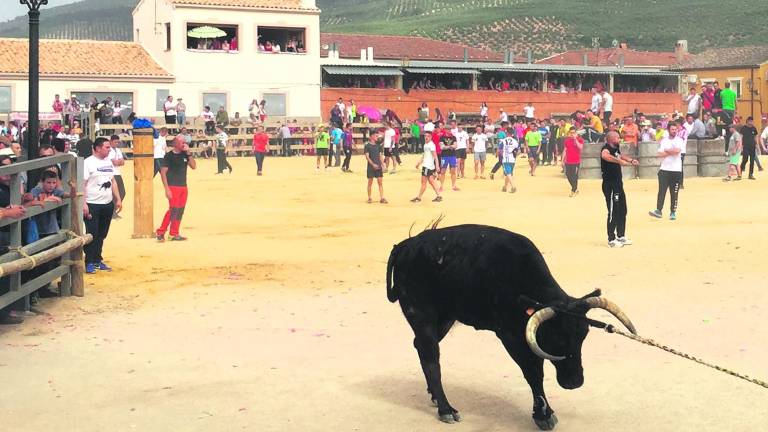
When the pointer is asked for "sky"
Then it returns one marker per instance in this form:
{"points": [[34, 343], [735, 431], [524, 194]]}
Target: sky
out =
{"points": [[18, 9]]}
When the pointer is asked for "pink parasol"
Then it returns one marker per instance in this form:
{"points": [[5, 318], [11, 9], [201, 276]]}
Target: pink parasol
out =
{"points": [[372, 113]]}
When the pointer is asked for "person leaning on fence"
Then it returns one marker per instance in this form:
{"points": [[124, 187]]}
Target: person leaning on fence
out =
{"points": [[8, 211], [48, 190], [102, 200]]}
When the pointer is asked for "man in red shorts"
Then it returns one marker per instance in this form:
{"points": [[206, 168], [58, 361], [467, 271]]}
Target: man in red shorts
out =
{"points": [[174, 175]]}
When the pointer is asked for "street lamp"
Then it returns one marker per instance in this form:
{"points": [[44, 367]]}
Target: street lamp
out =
{"points": [[33, 127]]}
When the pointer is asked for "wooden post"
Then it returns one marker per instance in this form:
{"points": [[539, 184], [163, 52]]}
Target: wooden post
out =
{"points": [[77, 192], [143, 172]]}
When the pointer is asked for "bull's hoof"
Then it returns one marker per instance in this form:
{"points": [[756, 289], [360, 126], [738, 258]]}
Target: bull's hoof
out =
{"points": [[434, 402], [450, 418], [547, 424]]}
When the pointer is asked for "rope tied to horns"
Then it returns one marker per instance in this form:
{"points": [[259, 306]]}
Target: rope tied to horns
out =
{"points": [[650, 342]]}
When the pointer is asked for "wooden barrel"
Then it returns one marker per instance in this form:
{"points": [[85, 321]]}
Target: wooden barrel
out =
{"points": [[691, 162], [629, 172], [143, 172], [711, 159], [590, 161], [649, 162]]}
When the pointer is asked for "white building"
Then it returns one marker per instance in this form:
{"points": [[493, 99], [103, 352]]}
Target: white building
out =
{"points": [[163, 60]]}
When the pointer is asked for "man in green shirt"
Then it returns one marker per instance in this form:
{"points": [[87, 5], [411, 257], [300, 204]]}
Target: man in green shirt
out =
{"points": [[728, 97], [415, 137], [533, 140], [222, 117], [321, 146]]}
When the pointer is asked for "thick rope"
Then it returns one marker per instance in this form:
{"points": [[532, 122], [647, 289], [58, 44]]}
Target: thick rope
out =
{"points": [[23, 253], [653, 343]]}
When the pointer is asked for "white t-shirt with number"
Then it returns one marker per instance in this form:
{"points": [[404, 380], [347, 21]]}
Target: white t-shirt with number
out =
{"points": [[509, 146], [462, 138], [480, 141], [98, 175], [429, 162]]}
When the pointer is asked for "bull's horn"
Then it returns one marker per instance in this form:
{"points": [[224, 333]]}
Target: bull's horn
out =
{"points": [[603, 303], [530, 332]]}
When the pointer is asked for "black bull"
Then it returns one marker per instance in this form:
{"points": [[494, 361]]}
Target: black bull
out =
{"points": [[491, 279]]}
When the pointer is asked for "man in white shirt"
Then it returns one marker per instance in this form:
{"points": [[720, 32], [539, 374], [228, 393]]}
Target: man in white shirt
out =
{"points": [[101, 202], [597, 101], [462, 139], [118, 159], [694, 102], [479, 150], [530, 112], [389, 144], [159, 145], [607, 106], [429, 170], [671, 149], [503, 116], [170, 111]]}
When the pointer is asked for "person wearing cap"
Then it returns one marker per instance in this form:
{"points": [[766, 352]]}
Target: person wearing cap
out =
{"points": [[181, 112]]}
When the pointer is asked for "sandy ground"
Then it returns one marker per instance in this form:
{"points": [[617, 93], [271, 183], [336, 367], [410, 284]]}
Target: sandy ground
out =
{"points": [[273, 317]]}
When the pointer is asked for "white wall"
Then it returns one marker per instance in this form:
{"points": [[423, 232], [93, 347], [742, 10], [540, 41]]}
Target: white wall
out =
{"points": [[247, 74], [149, 19], [143, 93]]}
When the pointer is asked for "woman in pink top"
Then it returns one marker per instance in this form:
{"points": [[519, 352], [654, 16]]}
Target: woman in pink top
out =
{"points": [[573, 144]]}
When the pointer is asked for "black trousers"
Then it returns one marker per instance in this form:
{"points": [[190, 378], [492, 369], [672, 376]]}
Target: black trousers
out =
{"points": [[497, 166], [668, 180], [98, 227], [221, 158], [616, 201], [158, 165], [347, 159], [572, 174], [259, 160], [748, 155], [606, 118]]}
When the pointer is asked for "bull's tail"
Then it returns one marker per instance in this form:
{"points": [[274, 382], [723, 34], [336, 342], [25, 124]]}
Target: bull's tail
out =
{"points": [[392, 293]]}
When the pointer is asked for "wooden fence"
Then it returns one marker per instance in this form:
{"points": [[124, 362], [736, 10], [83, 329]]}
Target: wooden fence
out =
{"points": [[65, 247]]}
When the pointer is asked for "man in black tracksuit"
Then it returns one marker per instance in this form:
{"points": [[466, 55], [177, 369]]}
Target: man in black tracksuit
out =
{"points": [[611, 161]]}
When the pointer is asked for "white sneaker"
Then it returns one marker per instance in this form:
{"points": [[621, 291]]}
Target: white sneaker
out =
{"points": [[615, 244], [624, 241]]}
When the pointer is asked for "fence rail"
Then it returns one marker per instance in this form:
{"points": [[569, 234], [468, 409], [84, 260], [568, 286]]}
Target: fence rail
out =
{"points": [[66, 246]]}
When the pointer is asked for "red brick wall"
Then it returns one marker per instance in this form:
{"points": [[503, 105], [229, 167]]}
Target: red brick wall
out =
{"points": [[405, 104]]}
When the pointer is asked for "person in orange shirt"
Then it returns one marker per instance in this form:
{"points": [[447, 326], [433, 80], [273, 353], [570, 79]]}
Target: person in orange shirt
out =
{"points": [[630, 132], [260, 147]]}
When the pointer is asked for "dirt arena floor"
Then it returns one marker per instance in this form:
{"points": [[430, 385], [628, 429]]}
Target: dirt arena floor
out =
{"points": [[273, 316]]}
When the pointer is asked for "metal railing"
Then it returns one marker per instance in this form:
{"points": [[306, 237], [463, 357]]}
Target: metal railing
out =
{"points": [[65, 247]]}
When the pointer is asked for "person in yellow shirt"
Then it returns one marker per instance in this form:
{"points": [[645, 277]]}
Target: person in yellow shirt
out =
{"points": [[595, 129], [564, 126]]}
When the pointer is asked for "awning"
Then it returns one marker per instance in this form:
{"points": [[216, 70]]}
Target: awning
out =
{"points": [[646, 73], [363, 70], [441, 71], [541, 71]]}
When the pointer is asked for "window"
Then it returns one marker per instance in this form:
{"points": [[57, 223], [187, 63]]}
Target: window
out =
{"points": [[735, 85], [215, 100], [5, 99], [275, 104], [161, 95], [223, 37], [125, 98], [168, 36], [282, 40]]}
